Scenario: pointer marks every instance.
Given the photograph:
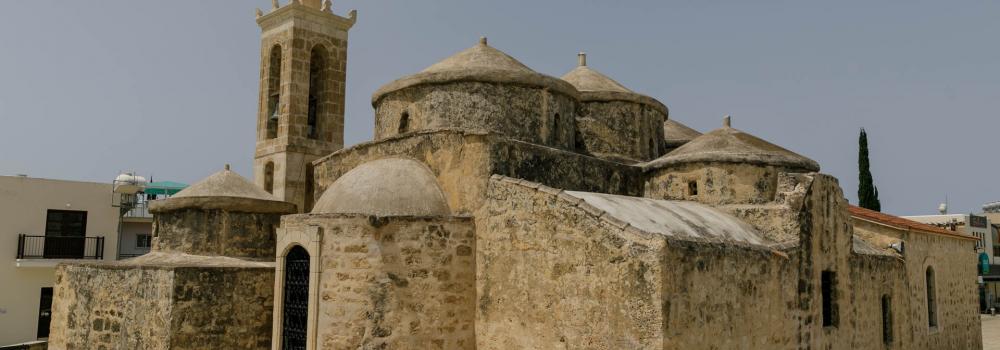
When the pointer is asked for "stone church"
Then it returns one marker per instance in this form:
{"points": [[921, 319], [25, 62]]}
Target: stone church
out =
{"points": [[501, 208]]}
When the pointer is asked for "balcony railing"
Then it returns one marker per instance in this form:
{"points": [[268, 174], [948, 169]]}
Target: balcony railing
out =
{"points": [[140, 210], [59, 247]]}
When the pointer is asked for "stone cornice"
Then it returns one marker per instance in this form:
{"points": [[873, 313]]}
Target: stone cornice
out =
{"points": [[310, 18]]}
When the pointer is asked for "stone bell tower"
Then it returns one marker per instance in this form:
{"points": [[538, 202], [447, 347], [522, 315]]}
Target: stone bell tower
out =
{"points": [[300, 117]]}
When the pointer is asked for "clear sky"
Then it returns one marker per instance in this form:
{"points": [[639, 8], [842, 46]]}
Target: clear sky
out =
{"points": [[169, 88]]}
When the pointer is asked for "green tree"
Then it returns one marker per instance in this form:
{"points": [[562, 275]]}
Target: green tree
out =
{"points": [[867, 192]]}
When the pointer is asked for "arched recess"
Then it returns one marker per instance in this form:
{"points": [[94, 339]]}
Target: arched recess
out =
{"points": [[932, 314], [317, 90], [273, 92], [295, 300], [310, 187], [269, 177]]}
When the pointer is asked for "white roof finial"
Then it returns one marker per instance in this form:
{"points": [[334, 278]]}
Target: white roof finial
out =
{"points": [[582, 57], [727, 121]]}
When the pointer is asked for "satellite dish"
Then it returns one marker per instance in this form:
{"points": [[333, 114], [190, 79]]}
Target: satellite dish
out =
{"points": [[898, 247]]}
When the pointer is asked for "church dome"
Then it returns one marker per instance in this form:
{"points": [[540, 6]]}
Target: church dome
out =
{"points": [[385, 187], [595, 86], [729, 145], [224, 190], [676, 134], [481, 63]]}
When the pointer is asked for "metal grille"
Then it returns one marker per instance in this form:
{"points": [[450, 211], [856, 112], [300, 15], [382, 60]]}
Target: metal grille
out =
{"points": [[296, 302]]}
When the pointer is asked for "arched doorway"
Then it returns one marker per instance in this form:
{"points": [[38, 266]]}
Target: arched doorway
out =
{"points": [[295, 306]]}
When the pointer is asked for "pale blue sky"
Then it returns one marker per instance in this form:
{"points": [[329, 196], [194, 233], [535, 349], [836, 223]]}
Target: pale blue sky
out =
{"points": [[168, 88]]}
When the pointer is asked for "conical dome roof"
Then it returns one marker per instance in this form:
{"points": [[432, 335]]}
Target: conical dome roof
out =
{"points": [[385, 187], [676, 134], [224, 190], [595, 86], [480, 62], [729, 145]]}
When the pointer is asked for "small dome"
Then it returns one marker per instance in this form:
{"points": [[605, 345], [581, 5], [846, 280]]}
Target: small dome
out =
{"points": [[595, 86], [478, 63], [225, 183], [225, 190], [676, 134], [385, 187], [728, 145]]}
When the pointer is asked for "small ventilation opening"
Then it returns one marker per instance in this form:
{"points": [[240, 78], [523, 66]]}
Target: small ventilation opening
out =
{"points": [[404, 123], [829, 286], [693, 188], [886, 320]]}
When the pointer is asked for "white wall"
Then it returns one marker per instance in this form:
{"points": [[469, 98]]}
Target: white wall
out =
{"points": [[24, 203]]}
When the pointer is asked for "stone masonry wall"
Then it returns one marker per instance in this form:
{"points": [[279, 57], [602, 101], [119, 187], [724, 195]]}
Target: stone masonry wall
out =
{"points": [[957, 295], [394, 283], [874, 277], [552, 276], [717, 183], [463, 163], [216, 232], [161, 307], [620, 129], [522, 113], [113, 308]]}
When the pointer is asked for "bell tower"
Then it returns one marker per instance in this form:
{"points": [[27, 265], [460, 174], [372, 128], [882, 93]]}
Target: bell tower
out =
{"points": [[300, 116]]}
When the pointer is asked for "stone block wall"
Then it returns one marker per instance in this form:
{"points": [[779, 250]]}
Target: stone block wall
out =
{"points": [[215, 232], [161, 307], [717, 183], [621, 130], [523, 113], [393, 282]]}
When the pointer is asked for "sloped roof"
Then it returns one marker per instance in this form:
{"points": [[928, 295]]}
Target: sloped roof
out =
{"points": [[902, 223], [480, 62], [224, 190], [676, 134], [677, 219], [385, 187], [729, 145], [595, 86]]}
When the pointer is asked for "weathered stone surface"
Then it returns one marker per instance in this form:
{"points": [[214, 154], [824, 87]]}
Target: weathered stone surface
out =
{"points": [[215, 232], [621, 130], [388, 186], [110, 306], [393, 282]]}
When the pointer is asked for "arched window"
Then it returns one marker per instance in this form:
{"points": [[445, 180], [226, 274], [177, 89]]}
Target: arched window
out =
{"points": [[404, 123], [317, 80], [931, 299], [310, 187], [273, 92], [269, 177], [295, 304]]}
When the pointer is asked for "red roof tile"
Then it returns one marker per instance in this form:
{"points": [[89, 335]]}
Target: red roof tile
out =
{"points": [[896, 221]]}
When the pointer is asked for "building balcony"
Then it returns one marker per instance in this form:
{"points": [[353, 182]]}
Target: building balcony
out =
{"points": [[47, 251], [140, 212]]}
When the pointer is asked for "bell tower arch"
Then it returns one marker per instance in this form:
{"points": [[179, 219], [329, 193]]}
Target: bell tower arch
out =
{"points": [[301, 102]]}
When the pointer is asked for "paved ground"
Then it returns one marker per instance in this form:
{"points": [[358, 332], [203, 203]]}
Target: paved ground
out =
{"points": [[991, 332]]}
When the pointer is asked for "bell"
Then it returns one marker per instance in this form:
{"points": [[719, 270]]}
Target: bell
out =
{"points": [[275, 116]]}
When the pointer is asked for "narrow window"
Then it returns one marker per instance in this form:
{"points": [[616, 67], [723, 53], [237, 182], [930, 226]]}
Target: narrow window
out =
{"points": [[886, 320], [295, 306], [317, 69], [692, 188], [269, 177], [652, 148], [310, 180], [931, 299], [829, 285], [404, 123], [273, 92], [555, 127]]}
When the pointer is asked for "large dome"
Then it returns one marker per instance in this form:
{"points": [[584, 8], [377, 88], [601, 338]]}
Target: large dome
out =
{"points": [[482, 63], [729, 145], [385, 187]]}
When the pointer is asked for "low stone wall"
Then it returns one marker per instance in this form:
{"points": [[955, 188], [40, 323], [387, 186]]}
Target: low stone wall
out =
{"points": [[111, 306]]}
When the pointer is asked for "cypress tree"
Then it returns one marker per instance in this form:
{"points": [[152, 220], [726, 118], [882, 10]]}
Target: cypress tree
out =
{"points": [[867, 192]]}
